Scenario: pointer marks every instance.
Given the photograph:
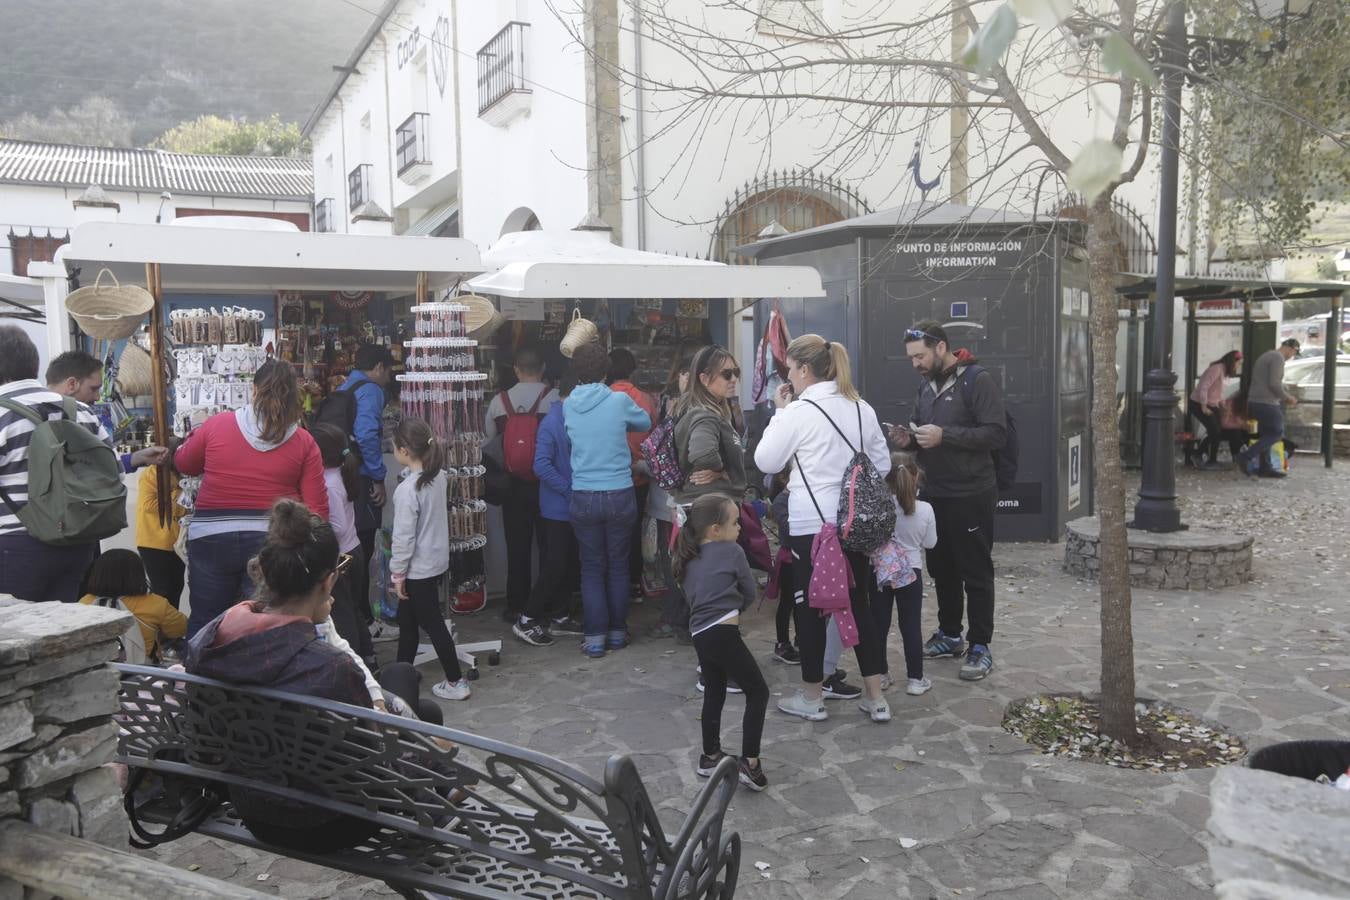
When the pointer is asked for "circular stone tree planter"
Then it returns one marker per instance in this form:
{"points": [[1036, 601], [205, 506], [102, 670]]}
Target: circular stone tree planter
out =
{"points": [[1193, 560]]}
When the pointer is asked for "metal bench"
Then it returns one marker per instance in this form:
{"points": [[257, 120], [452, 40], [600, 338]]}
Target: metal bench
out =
{"points": [[476, 818]]}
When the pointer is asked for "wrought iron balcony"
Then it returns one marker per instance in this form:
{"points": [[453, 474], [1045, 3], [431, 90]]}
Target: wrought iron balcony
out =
{"points": [[323, 215], [413, 148], [503, 92]]}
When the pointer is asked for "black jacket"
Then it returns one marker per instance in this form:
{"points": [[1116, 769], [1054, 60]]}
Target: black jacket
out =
{"points": [[962, 464]]}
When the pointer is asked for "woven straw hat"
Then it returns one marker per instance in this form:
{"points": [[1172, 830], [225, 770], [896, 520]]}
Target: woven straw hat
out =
{"points": [[482, 320], [579, 331], [109, 313]]}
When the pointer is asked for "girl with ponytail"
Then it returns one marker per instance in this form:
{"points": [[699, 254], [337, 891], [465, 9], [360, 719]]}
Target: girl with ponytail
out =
{"points": [[716, 579], [420, 552]]}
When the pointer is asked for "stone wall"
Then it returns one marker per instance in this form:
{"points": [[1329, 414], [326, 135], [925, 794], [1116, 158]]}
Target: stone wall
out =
{"points": [[1309, 437], [57, 698], [1195, 559]]}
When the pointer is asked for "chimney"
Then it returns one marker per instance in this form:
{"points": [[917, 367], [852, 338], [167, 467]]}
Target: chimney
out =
{"points": [[94, 205]]}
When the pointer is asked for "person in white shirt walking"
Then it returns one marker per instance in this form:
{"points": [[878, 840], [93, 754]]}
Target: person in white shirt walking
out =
{"points": [[820, 397]]}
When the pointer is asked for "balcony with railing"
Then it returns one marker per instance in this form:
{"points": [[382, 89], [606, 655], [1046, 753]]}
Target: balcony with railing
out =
{"points": [[412, 148], [323, 215], [503, 91]]}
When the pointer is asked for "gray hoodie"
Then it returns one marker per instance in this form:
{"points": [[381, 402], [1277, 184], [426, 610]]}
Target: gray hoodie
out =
{"points": [[420, 547], [717, 583]]}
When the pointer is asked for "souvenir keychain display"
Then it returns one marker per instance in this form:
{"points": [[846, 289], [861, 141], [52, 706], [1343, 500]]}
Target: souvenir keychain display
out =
{"points": [[218, 353], [443, 388]]}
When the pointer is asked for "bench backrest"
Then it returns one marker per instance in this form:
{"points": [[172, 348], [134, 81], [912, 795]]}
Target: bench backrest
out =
{"points": [[391, 771]]}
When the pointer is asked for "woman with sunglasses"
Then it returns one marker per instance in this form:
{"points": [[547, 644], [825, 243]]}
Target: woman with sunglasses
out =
{"points": [[284, 639], [706, 438]]}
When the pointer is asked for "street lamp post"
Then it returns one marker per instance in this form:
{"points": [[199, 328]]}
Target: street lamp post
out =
{"points": [[1157, 509]]}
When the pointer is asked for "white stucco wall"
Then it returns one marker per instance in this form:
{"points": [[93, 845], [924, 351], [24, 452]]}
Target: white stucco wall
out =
{"points": [[30, 207]]}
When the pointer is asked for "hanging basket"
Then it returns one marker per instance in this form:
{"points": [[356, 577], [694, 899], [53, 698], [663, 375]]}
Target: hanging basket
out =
{"points": [[109, 313], [134, 372], [482, 319], [579, 331]]}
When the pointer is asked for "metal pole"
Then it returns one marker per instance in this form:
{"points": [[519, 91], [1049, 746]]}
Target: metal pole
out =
{"points": [[1157, 506], [1332, 339]]}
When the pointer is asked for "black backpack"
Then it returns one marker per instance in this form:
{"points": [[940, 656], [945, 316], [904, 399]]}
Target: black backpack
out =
{"points": [[339, 409], [1005, 459], [866, 514]]}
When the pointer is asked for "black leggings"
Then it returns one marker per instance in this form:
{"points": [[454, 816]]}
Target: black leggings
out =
{"points": [[1209, 445], [165, 571], [422, 609], [402, 679], [786, 601], [551, 595], [909, 601], [724, 656], [347, 595], [811, 625]]}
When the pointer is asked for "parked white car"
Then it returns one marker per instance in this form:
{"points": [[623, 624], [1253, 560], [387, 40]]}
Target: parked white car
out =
{"points": [[1303, 379]]}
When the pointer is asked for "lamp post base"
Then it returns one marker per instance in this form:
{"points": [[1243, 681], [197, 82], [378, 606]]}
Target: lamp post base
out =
{"points": [[1157, 507]]}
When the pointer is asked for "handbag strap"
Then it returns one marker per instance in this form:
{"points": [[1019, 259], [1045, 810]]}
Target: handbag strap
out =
{"points": [[810, 493]]}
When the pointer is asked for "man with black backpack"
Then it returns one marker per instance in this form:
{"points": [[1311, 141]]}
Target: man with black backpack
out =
{"points": [[959, 425], [358, 409]]}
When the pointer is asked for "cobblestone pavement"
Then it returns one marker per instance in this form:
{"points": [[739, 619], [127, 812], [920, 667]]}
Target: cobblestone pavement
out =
{"points": [[991, 818]]}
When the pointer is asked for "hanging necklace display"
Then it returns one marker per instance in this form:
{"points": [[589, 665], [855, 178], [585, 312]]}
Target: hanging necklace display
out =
{"points": [[443, 388], [216, 355]]}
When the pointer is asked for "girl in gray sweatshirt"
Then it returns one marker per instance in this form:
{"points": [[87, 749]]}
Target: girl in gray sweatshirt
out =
{"points": [[718, 586]]}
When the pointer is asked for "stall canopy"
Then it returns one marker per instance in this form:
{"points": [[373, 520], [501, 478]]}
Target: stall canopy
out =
{"points": [[585, 264], [20, 297], [232, 259]]}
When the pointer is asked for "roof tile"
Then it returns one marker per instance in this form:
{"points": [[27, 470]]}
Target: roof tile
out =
{"points": [[119, 168]]}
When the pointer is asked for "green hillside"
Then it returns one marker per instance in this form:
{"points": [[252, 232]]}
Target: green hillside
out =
{"points": [[162, 62]]}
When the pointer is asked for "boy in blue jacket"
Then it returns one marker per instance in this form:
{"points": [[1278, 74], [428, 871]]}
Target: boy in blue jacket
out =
{"points": [[546, 612]]}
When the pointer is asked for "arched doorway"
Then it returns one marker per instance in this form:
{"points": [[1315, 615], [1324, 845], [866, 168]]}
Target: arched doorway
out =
{"points": [[792, 200], [522, 218]]}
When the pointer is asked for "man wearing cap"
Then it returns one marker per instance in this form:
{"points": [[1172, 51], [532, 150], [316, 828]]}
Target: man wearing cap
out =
{"points": [[1264, 401]]}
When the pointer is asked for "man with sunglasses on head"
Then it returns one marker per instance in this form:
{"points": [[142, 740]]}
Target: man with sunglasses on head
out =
{"points": [[956, 427]]}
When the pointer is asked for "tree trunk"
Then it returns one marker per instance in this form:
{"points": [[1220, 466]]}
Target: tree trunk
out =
{"points": [[1117, 705]]}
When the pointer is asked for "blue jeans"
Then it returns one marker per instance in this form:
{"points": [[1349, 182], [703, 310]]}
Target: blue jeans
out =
{"points": [[603, 522], [32, 570], [1269, 431], [218, 574]]}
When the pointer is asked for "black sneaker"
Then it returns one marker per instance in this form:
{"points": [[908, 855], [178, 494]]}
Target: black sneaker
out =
{"points": [[708, 764], [752, 776], [532, 633], [565, 625], [732, 687], [1271, 473], [786, 653], [836, 688]]}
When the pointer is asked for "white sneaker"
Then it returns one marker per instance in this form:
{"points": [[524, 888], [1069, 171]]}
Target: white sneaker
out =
{"points": [[381, 630], [918, 686], [878, 709], [452, 690], [798, 705], [887, 682]]}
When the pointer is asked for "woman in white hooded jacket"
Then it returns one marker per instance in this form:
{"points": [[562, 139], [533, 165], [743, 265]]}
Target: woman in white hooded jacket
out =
{"points": [[820, 393]]}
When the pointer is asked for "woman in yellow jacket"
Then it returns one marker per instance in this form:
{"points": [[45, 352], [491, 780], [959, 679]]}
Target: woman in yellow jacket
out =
{"points": [[119, 573], [155, 541]]}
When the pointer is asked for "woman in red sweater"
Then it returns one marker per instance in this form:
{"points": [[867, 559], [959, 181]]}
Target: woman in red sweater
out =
{"points": [[248, 459]]}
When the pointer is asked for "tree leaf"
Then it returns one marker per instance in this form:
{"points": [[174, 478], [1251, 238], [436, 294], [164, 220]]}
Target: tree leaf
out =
{"points": [[1096, 166], [1045, 13], [1119, 56], [987, 46]]}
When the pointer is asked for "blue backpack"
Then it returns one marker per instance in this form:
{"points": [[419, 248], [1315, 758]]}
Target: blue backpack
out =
{"points": [[1005, 459]]}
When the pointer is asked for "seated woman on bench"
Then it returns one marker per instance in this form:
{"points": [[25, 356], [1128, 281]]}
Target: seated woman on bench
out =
{"points": [[283, 640]]}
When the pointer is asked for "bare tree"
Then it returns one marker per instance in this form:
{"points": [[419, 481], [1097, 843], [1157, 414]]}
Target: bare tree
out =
{"points": [[883, 73]]}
